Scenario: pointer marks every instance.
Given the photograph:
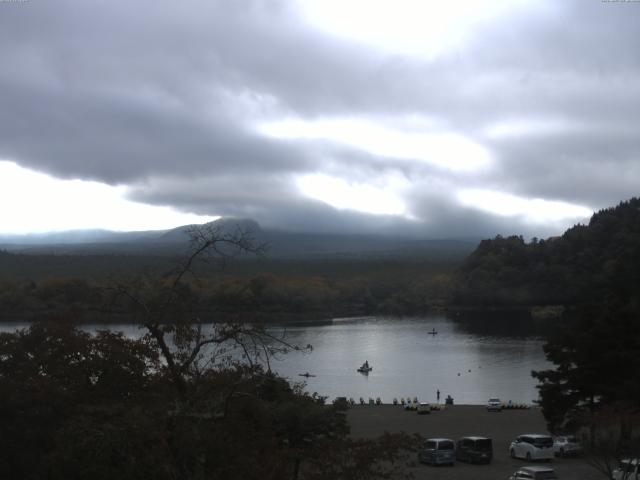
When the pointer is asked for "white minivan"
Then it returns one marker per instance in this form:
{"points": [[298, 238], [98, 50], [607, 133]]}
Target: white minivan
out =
{"points": [[532, 446]]}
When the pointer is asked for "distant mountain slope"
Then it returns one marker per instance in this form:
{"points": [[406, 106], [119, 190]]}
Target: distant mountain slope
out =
{"points": [[281, 244], [76, 237], [287, 244], [585, 263], [223, 226]]}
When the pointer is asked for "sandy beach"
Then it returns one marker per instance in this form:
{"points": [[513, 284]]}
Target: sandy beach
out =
{"points": [[463, 420]]}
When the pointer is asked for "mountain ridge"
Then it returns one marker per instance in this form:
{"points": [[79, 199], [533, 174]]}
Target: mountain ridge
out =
{"points": [[281, 243]]}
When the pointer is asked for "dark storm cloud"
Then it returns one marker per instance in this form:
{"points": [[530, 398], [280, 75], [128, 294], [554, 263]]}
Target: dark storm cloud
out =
{"points": [[270, 198], [98, 94], [443, 218], [587, 167], [118, 139], [166, 98]]}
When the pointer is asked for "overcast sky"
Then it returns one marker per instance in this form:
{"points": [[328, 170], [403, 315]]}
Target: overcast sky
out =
{"points": [[440, 119]]}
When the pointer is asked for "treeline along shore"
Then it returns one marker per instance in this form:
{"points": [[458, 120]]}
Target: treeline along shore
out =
{"points": [[256, 290]]}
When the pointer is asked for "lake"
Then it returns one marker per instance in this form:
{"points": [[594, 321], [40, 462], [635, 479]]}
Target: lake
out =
{"points": [[469, 361], [408, 361]]}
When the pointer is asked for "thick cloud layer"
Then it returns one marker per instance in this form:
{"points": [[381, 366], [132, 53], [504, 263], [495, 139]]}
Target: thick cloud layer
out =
{"points": [[191, 104]]}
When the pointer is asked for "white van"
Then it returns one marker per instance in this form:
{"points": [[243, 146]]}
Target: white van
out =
{"points": [[532, 446]]}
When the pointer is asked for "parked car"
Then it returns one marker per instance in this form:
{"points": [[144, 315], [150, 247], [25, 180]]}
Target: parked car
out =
{"points": [[424, 408], [532, 447], [474, 450], [566, 445], [494, 405], [437, 451], [629, 469], [535, 473]]}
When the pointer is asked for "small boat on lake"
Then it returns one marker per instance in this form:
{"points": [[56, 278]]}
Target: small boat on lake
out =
{"points": [[365, 368], [306, 374], [433, 332]]}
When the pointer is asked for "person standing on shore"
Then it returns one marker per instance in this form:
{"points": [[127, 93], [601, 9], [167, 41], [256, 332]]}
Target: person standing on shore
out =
{"points": [[438, 395]]}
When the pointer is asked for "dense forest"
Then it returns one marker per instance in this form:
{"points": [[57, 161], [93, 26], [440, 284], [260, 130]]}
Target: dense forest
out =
{"points": [[256, 289], [595, 348], [592, 274], [585, 262]]}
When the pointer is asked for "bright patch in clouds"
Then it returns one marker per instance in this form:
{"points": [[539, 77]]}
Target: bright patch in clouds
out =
{"points": [[533, 210], [515, 128], [448, 151], [412, 27], [32, 202], [360, 197]]}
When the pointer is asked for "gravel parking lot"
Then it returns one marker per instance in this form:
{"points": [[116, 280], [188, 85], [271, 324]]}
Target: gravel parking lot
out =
{"points": [[463, 420]]}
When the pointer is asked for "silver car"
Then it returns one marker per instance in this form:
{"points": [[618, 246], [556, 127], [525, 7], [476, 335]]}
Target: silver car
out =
{"points": [[534, 473], [566, 445], [438, 451], [494, 405]]}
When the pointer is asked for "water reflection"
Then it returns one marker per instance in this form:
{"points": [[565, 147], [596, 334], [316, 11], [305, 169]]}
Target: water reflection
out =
{"points": [[501, 324], [408, 361]]}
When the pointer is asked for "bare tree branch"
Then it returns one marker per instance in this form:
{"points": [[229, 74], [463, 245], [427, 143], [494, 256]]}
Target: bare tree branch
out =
{"points": [[188, 343]]}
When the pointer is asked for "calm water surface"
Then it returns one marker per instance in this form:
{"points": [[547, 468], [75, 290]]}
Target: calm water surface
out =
{"points": [[408, 361], [468, 364]]}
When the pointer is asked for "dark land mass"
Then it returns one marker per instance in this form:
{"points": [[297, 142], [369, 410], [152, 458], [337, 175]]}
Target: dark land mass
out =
{"points": [[586, 262], [299, 277], [254, 289]]}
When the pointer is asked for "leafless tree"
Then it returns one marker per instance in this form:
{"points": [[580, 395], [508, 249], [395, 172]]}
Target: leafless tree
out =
{"points": [[188, 343]]}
